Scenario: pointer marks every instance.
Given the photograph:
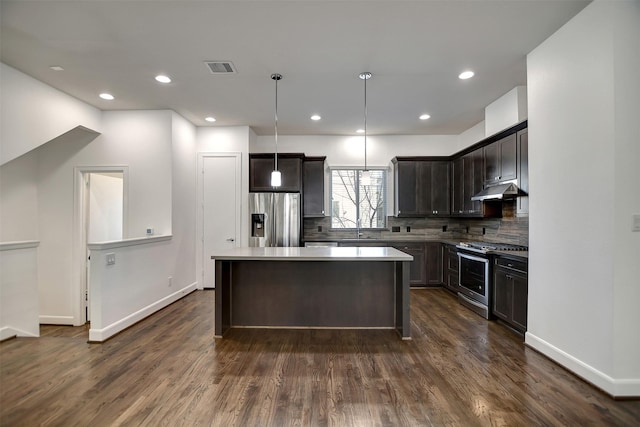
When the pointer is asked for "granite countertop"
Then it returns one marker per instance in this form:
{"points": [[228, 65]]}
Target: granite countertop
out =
{"points": [[421, 239], [313, 254]]}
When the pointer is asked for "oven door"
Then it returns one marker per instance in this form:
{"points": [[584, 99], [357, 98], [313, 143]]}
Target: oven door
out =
{"points": [[474, 277]]}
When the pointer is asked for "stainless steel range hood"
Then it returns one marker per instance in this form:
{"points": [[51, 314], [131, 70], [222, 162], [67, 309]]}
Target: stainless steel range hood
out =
{"points": [[508, 190]]}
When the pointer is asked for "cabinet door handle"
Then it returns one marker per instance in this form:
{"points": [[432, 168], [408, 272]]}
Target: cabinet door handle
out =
{"points": [[509, 277], [231, 239], [509, 265]]}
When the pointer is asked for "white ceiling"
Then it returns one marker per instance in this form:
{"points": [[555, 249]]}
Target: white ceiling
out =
{"points": [[415, 50]]}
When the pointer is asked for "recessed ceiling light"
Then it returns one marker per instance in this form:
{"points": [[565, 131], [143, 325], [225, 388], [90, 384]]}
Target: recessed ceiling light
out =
{"points": [[466, 75], [210, 119], [425, 117], [107, 96], [163, 79], [360, 131], [315, 117], [56, 68]]}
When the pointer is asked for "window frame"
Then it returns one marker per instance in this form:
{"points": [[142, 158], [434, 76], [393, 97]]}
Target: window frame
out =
{"points": [[358, 170]]}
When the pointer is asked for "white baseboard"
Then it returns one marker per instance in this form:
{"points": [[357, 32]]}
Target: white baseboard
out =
{"points": [[8, 332], [56, 320], [99, 335], [615, 387]]}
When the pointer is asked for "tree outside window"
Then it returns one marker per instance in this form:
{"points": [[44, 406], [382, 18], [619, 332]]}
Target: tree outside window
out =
{"points": [[351, 200]]}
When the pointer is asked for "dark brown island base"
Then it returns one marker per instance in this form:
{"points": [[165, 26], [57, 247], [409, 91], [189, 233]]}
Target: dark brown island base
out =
{"points": [[324, 287]]}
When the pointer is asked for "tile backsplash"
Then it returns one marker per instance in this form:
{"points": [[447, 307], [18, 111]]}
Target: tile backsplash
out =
{"points": [[508, 229]]}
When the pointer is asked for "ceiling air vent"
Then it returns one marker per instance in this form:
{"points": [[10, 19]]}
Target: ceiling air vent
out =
{"points": [[220, 67]]}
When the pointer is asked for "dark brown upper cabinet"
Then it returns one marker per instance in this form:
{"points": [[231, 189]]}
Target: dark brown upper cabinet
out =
{"points": [[500, 160], [468, 176], [457, 187], [422, 187], [313, 186], [262, 164], [406, 194]]}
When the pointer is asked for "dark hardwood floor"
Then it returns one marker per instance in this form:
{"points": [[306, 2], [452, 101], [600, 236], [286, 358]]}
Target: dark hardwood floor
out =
{"points": [[459, 370]]}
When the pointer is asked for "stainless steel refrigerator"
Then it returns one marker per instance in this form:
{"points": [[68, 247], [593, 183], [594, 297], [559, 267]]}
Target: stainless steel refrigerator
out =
{"points": [[275, 219]]}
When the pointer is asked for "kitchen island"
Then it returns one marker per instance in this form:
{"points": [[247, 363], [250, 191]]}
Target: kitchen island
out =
{"points": [[315, 287]]}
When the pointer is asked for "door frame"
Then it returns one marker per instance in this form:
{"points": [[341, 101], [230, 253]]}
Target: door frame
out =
{"points": [[79, 280], [200, 206]]}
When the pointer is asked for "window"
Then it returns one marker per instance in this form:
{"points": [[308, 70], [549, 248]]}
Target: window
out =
{"points": [[351, 200]]}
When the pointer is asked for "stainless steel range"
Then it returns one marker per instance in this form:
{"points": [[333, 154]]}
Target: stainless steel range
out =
{"points": [[475, 276]]}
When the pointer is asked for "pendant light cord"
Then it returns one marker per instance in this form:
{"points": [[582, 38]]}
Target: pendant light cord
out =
{"points": [[365, 76], [365, 122], [276, 154], [276, 77]]}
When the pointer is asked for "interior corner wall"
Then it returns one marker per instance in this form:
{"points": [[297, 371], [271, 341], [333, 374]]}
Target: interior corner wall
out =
{"points": [[33, 113], [626, 193], [575, 314], [183, 201], [141, 140]]}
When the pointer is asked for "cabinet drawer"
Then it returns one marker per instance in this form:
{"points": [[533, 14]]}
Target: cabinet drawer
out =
{"points": [[512, 264]]}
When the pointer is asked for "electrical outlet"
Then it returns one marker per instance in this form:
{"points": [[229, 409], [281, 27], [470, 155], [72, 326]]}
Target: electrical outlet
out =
{"points": [[636, 222], [149, 231], [170, 279], [111, 258]]}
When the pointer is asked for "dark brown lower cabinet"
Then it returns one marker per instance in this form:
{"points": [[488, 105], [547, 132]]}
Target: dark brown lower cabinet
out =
{"points": [[510, 292], [433, 253], [418, 271], [450, 267], [426, 267]]}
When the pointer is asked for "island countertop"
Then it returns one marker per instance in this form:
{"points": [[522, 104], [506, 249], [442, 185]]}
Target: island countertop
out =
{"points": [[313, 254]]}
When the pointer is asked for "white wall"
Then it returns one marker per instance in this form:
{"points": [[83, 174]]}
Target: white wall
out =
{"points": [[143, 141], [471, 136], [33, 113], [140, 140], [140, 283], [105, 206], [349, 150], [230, 139], [506, 111], [150, 273], [183, 260], [626, 268], [584, 270], [19, 199], [19, 290]]}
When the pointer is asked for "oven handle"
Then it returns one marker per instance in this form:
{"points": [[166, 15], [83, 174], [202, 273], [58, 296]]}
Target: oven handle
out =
{"points": [[474, 258]]}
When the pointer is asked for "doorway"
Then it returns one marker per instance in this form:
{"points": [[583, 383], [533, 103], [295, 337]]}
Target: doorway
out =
{"points": [[101, 206], [219, 222]]}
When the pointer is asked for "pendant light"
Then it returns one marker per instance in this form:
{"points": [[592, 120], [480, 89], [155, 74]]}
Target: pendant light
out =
{"points": [[276, 177], [365, 178]]}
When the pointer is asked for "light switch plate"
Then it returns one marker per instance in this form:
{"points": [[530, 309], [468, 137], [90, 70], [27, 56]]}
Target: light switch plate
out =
{"points": [[111, 258], [636, 222]]}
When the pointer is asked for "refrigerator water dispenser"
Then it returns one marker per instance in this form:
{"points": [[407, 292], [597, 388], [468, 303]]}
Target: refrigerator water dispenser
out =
{"points": [[257, 225]]}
